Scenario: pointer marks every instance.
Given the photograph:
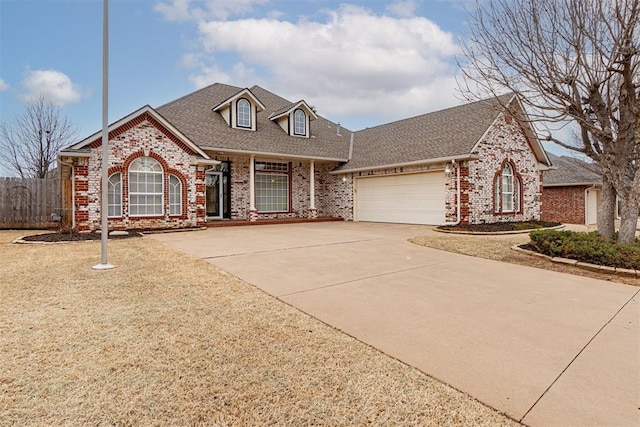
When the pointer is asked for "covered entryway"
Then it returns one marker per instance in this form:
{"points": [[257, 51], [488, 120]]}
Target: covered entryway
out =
{"points": [[218, 191], [409, 199]]}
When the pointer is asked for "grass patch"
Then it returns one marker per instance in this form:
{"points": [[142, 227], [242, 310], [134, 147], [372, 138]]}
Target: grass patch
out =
{"points": [[166, 339], [586, 247]]}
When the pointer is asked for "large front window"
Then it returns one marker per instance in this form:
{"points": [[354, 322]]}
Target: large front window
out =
{"points": [[145, 187], [272, 187]]}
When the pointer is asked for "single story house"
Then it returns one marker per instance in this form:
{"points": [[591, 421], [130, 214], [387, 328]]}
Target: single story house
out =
{"points": [[225, 152], [571, 191]]}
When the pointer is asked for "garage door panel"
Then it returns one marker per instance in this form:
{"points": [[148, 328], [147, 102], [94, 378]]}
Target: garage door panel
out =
{"points": [[411, 199]]}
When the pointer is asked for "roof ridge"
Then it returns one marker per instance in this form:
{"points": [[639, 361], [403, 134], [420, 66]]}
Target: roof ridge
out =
{"points": [[197, 91]]}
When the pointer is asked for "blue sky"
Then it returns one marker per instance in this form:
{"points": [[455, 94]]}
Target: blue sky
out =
{"points": [[360, 63]]}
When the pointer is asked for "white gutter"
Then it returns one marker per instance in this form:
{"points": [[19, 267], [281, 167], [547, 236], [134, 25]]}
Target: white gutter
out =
{"points": [[458, 208], [271, 155], [207, 162], [469, 157], [572, 184], [73, 154]]}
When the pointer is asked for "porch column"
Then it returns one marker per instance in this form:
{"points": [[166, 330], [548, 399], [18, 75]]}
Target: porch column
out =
{"points": [[313, 212], [253, 213]]}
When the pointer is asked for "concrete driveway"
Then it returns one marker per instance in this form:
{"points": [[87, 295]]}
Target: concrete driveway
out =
{"points": [[545, 348]]}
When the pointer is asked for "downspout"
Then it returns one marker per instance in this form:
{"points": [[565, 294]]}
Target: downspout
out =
{"points": [[586, 204], [458, 213]]}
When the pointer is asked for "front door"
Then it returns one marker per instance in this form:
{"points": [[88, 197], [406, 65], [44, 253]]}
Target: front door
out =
{"points": [[214, 194]]}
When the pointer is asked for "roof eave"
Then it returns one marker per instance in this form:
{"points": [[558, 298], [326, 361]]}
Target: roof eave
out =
{"points": [[82, 154], [572, 184], [461, 157], [221, 150]]}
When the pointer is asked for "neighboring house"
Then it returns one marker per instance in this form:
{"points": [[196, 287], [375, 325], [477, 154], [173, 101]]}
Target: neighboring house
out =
{"points": [[225, 152], [571, 191]]}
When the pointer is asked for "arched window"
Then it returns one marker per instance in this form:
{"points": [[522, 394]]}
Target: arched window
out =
{"points": [[299, 123], [244, 113], [145, 187], [175, 195], [507, 188], [506, 191], [114, 195]]}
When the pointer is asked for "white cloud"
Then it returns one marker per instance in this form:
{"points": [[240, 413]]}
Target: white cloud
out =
{"points": [[354, 63], [403, 8], [3, 85], [53, 85], [198, 10]]}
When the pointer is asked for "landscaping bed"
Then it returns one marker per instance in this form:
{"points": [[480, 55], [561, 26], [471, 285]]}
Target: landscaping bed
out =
{"points": [[76, 237], [498, 227], [585, 247]]}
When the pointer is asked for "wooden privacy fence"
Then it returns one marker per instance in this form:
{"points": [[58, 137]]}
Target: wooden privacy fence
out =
{"points": [[29, 202]]}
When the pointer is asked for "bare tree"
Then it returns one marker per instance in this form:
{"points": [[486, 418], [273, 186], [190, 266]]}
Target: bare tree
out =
{"points": [[569, 60], [29, 144]]}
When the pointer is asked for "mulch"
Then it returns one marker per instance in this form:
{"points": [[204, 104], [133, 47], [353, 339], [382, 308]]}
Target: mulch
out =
{"points": [[76, 237], [500, 226]]}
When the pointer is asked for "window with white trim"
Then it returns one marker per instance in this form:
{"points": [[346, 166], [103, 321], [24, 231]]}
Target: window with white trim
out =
{"points": [[243, 108], [507, 188], [272, 186], [114, 195], [145, 187], [506, 191], [175, 195], [299, 122]]}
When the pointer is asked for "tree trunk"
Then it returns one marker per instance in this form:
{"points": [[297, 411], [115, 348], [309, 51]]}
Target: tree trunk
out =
{"points": [[606, 210], [628, 218]]}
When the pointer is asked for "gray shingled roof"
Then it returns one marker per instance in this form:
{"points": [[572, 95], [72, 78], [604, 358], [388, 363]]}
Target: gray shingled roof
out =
{"points": [[193, 116], [441, 134], [571, 171]]}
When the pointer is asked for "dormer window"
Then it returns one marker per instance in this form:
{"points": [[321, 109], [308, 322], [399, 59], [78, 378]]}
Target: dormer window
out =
{"points": [[240, 111], [244, 113], [299, 122]]}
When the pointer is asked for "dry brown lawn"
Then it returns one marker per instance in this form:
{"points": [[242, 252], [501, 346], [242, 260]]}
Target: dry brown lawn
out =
{"points": [[498, 248], [165, 339]]}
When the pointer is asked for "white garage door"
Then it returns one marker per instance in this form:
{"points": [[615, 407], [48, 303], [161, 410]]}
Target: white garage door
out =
{"points": [[408, 199]]}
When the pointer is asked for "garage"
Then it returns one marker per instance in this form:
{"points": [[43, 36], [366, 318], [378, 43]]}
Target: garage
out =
{"points": [[409, 199]]}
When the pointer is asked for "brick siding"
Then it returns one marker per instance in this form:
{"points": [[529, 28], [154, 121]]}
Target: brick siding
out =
{"points": [[144, 137], [564, 204]]}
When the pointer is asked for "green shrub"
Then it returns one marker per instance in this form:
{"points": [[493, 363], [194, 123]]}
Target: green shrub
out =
{"points": [[586, 247]]}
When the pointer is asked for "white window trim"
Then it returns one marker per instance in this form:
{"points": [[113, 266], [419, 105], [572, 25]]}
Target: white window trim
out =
{"points": [[109, 204], [275, 172], [499, 192], [161, 214], [295, 122], [250, 125], [171, 187]]}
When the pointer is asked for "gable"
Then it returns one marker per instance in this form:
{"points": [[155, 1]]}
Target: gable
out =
{"points": [[137, 118], [514, 114]]}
